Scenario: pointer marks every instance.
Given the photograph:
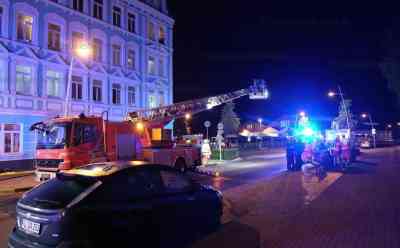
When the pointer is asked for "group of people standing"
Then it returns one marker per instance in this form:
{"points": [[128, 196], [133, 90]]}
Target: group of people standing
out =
{"points": [[336, 154]]}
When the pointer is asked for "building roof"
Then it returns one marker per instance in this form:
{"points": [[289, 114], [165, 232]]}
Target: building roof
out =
{"points": [[160, 5]]}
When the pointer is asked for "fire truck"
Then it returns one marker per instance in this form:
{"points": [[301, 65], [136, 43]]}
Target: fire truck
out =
{"points": [[68, 142]]}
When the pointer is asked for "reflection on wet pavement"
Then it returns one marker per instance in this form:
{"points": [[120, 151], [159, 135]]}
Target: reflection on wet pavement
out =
{"points": [[313, 184]]}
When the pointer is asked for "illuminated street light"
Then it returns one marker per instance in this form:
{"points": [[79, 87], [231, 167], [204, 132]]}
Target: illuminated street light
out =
{"points": [[373, 130], [82, 51], [188, 116], [331, 94], [389, 125], [398, 124]]}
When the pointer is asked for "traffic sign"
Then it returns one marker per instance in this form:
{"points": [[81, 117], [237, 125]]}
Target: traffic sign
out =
{"points": [[207, 124]]}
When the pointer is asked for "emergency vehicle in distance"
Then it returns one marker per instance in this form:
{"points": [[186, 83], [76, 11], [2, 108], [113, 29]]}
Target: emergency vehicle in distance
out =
{"points": [[71, 141]]}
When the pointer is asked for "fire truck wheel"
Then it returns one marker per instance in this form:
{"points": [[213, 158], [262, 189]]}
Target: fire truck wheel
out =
{"points": [[180, 165]]}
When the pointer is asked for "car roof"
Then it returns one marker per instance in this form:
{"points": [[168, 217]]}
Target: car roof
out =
{"points": [[105, 168]]}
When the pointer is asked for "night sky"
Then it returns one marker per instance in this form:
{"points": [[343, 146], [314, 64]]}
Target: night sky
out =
{"points": [[302, 50]]}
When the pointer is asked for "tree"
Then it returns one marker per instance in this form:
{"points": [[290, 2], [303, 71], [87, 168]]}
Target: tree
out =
{"points": [[230, 119], [390, 68]]}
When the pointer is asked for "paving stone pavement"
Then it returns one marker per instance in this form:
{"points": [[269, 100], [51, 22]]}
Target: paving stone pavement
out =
{"points": [[359, 208]]}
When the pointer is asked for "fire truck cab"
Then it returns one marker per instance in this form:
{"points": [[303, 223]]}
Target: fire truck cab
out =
{"points": [[69, 142]]}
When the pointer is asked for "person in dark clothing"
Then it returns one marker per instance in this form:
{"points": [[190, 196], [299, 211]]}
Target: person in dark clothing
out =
{"points": [[290, 157], [298, 150]]}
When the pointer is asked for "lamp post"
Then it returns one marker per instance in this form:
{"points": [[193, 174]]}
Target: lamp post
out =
{"points": [[373, 131], [82, 51], [340, 93]]}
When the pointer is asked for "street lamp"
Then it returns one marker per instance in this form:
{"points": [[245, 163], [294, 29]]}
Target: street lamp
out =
{"points": [[373, 131], [389, 125], [340, 93], [83, 51], [188, 116], [260, 121]]}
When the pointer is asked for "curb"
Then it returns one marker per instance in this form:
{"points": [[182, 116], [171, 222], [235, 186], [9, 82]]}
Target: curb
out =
{"points": [[16, 190], [12, 175]]}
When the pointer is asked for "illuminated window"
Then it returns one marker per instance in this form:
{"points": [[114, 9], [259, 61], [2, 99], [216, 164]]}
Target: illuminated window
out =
{"points": [[54, 37], [161, 35], [24, 80], [117, 16], [151, 33], [24, 27], [116, 94], [131, 23], [151, 66], [78, 5], [97, 86], [98, 9], [76, 88], [77, 39], [131, 96], [152, 101], [116, 53], [97, 50], [12, 138], [54, 81], [131, 59]]}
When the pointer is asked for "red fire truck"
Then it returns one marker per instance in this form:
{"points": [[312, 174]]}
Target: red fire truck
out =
{"points": [[71, 141]]}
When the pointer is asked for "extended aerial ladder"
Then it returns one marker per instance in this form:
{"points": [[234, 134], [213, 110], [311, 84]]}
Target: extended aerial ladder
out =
{"points": [[257, 90]]}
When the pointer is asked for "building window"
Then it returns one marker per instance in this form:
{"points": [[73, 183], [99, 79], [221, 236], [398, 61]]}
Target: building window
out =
{"points": [[161, 98], [77, 39], [116, 51], [131, 96], [151, 66], [116, 94], [161, 65], [78, 5], [98, 9], [54, 37], [97, 50], [131, 23], [117, 16], [24, 27], [152, 101], [161, 35], [151, 33], [76, 88], [12, 138], [3, 75], [54, 81], [131, 59], [97, 85], [1, 20], [24, 80]]}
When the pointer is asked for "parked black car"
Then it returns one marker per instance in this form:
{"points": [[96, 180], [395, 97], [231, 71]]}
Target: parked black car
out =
{"points": [[122, 203]]}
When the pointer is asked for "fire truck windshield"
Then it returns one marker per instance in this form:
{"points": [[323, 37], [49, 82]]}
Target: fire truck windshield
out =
{"points": [[54, 136]]}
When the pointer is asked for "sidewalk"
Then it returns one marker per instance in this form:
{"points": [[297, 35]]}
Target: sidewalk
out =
{"points": [[17, 184], [360, 208]]}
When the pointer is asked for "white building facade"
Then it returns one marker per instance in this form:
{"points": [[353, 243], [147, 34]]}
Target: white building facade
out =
{"points": [[129, 68]]}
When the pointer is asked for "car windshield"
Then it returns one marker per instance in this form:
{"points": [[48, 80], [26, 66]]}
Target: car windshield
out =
{"points": [[58, 192], [54, 136]]}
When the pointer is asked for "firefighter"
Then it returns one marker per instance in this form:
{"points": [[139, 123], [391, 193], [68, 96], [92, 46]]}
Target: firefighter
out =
{"points": [[205, 152], [290, 154]]}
